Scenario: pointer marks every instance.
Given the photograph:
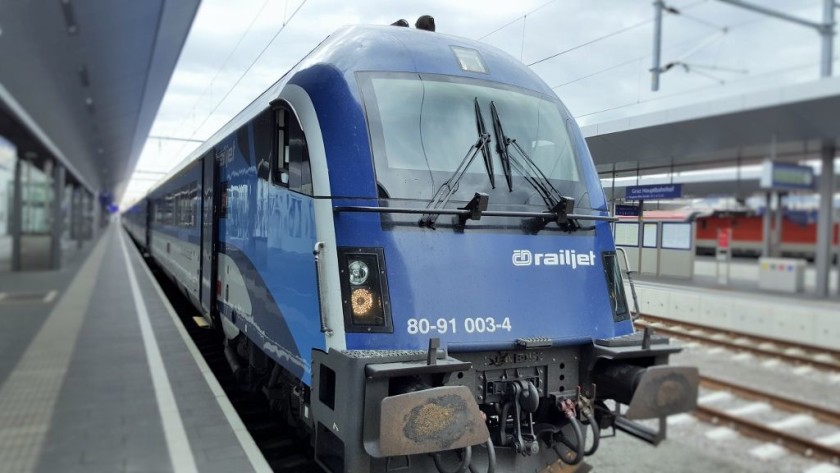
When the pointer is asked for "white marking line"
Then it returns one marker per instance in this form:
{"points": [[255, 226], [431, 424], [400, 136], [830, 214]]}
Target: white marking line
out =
{"points": [[247, 443], [751, 408], [177, 443], [823, 468], [716, 396], [50, 296], [29, 394], [2, 295], [768, 451], [829, 440], [721, 433], [792, 422]]}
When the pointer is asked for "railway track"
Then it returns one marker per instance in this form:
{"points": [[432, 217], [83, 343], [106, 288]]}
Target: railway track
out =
{"points": [[817, 357], [282, 448], [810, 430], [794, 432]]}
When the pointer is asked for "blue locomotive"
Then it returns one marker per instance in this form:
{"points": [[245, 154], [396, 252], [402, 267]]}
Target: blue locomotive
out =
{"points": [[408, 249]]}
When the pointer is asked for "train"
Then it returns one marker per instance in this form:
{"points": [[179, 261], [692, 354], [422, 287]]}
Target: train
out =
{"points": [[798, 233], [407, 248]]}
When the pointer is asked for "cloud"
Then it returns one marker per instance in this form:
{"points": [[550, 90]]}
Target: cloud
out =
{"points": [[604, 79]]}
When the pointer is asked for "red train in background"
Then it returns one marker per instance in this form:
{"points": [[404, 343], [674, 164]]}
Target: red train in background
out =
{"points": [[798, 238]]}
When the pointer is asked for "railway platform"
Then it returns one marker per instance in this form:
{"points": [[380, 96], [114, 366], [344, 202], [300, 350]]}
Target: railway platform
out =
{"points": [[740, 306], [97, 374]]}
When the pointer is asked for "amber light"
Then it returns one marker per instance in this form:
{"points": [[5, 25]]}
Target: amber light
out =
{"points": [[362, 301]]}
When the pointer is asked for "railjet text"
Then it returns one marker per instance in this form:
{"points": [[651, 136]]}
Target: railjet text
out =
{"points": [[560, 258]]}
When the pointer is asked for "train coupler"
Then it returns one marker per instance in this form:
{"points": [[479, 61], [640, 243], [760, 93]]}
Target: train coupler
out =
{"points": [[523, 397]]}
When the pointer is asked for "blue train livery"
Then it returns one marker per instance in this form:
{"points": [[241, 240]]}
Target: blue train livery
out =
{"points": [[407, 247]]}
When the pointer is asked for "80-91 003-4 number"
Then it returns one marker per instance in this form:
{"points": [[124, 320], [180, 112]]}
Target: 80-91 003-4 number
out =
{"points": [[468, 325]]}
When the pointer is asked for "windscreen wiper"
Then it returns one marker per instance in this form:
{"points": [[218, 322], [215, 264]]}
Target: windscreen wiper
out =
{"points": [[559, 206], [501, 145], [450, 186], [485, 150]]}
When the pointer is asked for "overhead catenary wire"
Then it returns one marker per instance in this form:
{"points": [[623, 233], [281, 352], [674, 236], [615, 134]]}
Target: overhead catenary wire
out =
{"points": [[607, 36], [592, 41], [721, 36], [700, 21], [516, 19], [225, 61], [600, 71], [640, 58], [246, 71], [691, 91]]}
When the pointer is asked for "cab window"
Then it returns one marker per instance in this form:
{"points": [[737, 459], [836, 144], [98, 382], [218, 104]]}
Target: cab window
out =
{"points": [[291, 166]]}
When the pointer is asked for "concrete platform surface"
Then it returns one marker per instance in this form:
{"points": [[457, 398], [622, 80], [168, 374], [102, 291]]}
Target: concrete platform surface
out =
{"points": [[97, 374]]}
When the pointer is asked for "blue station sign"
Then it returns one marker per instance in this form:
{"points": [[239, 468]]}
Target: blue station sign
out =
{"points": [[627, 210], [653, 192]]}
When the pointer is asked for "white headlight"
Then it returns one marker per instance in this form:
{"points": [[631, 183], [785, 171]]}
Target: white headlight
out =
{"points": [[358, 272]]}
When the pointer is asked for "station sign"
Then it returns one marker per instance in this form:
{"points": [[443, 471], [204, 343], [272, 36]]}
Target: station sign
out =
{"points": [[653, 192], [787, 176], [627, 210]]}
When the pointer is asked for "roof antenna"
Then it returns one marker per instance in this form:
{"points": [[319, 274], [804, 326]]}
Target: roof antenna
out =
{"points": [[400, 22], [425, 22]]}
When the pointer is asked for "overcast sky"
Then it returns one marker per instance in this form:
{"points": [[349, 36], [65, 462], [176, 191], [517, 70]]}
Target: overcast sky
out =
{"points": [[595, 54]]}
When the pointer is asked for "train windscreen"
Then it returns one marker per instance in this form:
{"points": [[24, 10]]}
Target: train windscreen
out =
{"points": [[424, 127]]}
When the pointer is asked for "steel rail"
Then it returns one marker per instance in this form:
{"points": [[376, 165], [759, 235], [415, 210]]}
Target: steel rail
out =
{"points": [[806, 358], [805, 446], [785, 403], [761, 339]]}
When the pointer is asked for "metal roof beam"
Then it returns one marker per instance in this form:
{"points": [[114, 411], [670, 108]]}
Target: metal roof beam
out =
{"points": [[40, 135], [820, 27]]}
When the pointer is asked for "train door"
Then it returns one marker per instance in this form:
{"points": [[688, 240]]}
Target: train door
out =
{"points": [[209, 236]]}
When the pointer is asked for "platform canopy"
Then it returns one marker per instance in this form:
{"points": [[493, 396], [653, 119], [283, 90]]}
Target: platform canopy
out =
{"points": [[721, 133], [82, 80]]}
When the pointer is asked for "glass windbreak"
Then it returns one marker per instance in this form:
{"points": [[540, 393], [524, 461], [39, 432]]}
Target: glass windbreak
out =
{"points": [[422, 127]]}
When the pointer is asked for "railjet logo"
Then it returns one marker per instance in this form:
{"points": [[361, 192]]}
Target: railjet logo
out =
{"points": [[561, 258]]}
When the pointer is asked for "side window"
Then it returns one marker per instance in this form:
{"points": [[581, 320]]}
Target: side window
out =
{"points": [[264, 143], [291, 166], [280, 166]]}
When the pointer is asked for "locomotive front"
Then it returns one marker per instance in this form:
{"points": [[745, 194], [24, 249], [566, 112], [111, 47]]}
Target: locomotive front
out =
{"points": [[470, 292]]}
